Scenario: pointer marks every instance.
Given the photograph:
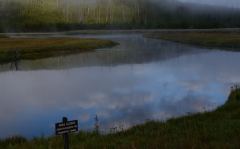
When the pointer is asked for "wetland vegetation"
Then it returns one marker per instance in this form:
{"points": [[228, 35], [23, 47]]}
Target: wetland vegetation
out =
{"points": [[223, 40], [12, 49]]}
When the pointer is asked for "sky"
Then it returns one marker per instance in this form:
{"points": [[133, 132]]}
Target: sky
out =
{"points": [[227, 3]]}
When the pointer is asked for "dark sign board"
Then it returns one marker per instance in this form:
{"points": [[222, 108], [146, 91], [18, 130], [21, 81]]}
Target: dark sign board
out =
{"points": [[66, 127]]}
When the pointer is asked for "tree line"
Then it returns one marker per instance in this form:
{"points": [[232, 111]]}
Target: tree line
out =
{"points": [[49, 15]]}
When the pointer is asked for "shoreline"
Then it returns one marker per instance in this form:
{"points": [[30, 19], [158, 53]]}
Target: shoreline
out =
{"points": [[215, 129], [15, 49], [102, 31], [224, 40]]}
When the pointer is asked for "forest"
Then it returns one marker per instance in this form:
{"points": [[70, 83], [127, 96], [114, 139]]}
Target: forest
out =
{"points": [[54, 15]]}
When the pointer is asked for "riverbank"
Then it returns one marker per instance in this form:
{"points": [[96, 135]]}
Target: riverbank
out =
{"points": [[3, 36], [13, 49], [227, 40], [217, 129]]}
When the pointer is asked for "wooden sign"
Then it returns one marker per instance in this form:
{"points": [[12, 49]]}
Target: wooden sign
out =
{"points": [[66, 127]]}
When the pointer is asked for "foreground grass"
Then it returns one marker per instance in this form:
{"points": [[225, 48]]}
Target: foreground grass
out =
{"points": [[217, 129], [26, 48], [226, 40]]}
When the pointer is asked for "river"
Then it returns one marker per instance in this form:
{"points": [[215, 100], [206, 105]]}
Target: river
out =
{"points": [[139, 80]]}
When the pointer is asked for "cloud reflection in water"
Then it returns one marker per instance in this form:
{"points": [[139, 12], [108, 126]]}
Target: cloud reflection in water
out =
{"points": [[129, 94]]}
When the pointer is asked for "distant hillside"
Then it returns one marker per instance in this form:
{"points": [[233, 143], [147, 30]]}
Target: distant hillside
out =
{"points": [[49, 15]]}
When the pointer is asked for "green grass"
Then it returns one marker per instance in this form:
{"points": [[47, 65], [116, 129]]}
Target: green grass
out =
{"points": [[223, 40], [219, 129], [29, 48]]}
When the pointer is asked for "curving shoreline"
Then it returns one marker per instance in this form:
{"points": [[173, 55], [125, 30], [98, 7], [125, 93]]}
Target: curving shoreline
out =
{"points": [[226, 40], [216, 129], [36, 48]]}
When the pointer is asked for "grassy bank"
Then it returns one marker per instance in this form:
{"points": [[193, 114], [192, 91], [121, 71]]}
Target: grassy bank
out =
{"points": [[3, 36], [225, 40], [29, 48], [217, 129]]}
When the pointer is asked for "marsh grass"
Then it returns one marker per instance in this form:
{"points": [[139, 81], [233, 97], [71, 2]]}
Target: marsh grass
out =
{"points": [[217, 129], [35, 48], [224, 40], [3, 36]]}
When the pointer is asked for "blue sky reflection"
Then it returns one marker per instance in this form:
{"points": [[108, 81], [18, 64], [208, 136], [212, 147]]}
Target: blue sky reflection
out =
{"points": [[124, 94]]}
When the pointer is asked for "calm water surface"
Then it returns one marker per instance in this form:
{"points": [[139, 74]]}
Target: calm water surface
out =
{"points": [[140, 79]]}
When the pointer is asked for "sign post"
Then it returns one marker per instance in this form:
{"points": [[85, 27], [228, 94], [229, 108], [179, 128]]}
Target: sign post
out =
{"points": [[64, 128]]}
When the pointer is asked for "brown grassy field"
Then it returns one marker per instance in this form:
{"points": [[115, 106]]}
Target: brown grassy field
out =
{"points": [[222, 40], [35, 48]]}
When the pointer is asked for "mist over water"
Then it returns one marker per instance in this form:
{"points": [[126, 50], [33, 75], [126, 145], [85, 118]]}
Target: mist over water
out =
{"points": [[222, 3]]}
